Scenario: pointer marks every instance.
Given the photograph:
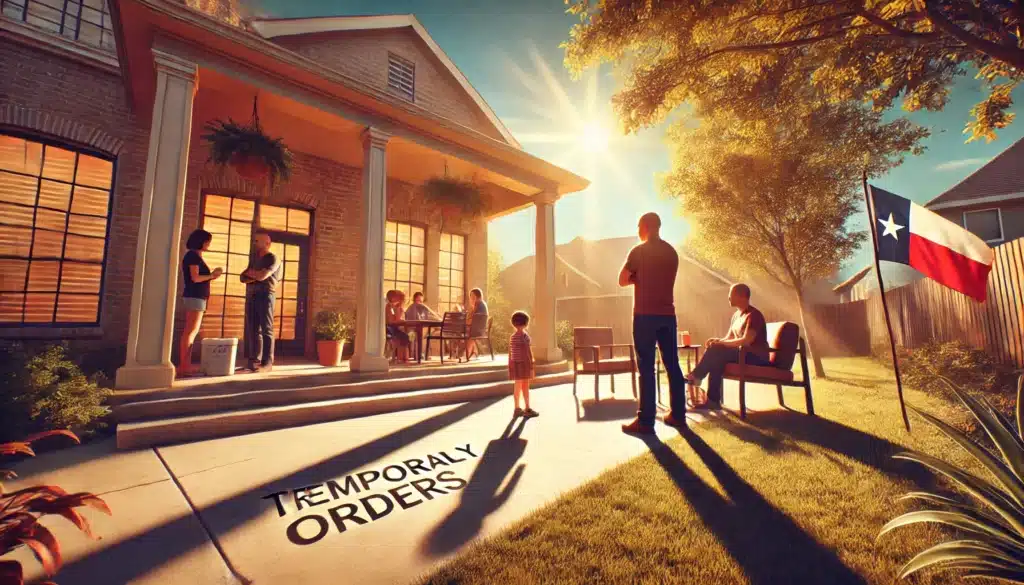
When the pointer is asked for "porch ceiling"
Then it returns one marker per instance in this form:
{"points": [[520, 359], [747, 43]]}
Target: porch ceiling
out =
{"points": [[313, 131]]}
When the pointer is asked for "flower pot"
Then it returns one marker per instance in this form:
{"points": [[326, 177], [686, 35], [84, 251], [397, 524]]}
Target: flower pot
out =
{"points": [[249, 167], [329, 352]]}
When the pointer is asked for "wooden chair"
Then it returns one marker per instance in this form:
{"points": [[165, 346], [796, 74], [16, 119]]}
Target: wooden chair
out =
{"points": [[483, 336], [593, 353], [453, 328], [785, 343]]}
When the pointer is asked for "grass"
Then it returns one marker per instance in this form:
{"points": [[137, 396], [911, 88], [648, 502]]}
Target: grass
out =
{"points": [[782, 498]]}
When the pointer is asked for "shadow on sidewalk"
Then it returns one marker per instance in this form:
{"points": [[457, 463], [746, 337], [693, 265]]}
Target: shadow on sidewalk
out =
{"points": [[766, 543], [483, 495], [590, 410]]}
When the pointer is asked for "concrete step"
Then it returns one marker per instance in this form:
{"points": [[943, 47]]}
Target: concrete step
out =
{"points": [[237, 396], [150, 433]]}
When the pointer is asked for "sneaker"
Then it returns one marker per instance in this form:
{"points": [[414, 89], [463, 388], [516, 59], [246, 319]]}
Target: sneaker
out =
{"points": [[517, 412], [530, 413], [673, 421], [639, 428]]}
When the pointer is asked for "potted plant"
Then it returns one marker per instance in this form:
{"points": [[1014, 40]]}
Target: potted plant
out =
{"points": [[246, 148], [332, 329], [454, 196]]}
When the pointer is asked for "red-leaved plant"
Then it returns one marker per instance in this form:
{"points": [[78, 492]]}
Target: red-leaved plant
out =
{"points": [[20, 512]]}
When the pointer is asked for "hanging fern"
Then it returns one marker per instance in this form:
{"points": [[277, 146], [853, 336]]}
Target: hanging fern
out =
{"points": [[242, 146], [451, 192]]}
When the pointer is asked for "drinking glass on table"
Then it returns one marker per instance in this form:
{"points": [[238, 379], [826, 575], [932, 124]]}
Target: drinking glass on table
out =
{"points": [[686, 338]]}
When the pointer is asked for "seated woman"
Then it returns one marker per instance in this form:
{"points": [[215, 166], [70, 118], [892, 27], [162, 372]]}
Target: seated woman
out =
{"points": [[393, 313], [476, 320]]}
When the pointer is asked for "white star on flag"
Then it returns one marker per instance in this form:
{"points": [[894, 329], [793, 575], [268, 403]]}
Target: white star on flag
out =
{"points": [[891, 227]]}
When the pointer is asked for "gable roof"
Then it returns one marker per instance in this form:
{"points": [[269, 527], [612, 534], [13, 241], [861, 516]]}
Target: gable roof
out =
{"points": [[853, 280], [576, 271], [279, 27], [1000, 179]]}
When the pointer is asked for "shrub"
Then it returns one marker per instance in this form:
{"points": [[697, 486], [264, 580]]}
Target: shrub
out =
{"points": [[45, 390], [21, 510], [334, 326], [563, 337]]}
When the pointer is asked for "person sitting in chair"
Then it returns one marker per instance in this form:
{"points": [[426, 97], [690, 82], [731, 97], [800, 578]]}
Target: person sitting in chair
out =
{"points": [[476, 320], [748, 330], [418, 310], [392, 315]]}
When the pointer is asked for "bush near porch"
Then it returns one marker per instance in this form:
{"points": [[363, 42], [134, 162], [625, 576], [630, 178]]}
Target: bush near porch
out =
{"points": [[781, 498]]}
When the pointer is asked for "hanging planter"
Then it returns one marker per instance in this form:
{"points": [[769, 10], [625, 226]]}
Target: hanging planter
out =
{"points": [[248, 150], [455, 197]]}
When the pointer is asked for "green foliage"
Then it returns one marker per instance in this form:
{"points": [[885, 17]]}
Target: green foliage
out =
{"points": [[453, 192], [230, 141], [331, 325], [563, 337], [925, 367], [987, 512], [742, 55], [497, 305], [45, 390], [21, 510]]}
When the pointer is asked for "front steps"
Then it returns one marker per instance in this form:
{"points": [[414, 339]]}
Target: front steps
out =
{"points": [[178, 417]]}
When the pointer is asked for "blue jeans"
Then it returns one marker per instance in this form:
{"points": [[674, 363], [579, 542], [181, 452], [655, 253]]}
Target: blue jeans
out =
{"points": [[652, 332], [712, 364]]}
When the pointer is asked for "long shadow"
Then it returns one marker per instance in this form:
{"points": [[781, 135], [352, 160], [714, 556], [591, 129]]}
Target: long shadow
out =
{"points": [[481, 496], [768, 545], [769, 441], [135, 556], [590, 410]]}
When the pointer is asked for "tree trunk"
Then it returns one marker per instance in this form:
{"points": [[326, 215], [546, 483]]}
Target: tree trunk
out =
{"points": [[819, 368]]}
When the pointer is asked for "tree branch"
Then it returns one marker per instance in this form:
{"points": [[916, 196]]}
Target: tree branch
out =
{"points": [[894, 29], [1013, 57]]}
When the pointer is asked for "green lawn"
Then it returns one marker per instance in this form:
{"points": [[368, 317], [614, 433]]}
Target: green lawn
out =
{"points": [[783, 498]]}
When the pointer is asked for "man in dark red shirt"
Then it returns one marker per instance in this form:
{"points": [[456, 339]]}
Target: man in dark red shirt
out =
{"points": [[651, 270], [748, 330]]}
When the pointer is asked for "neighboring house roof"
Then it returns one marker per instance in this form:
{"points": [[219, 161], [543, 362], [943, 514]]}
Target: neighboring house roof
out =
{"points": [[998, 180], [279, 27], [853, 280], [576, 271]]}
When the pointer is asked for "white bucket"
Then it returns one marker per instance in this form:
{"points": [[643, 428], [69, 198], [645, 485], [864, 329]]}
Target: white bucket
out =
{"points": [[218, 356]]}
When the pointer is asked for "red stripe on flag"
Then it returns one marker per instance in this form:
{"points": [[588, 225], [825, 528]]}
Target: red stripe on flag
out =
{"points": [[949, 268]]}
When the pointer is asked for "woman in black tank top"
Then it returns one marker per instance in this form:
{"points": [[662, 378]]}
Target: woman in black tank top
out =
{"points": [[196, 276]]}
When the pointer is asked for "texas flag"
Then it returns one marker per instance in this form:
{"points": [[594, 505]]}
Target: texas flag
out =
{"points": [[938, 248]]}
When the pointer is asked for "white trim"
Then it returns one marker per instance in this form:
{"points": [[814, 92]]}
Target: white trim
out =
{"points": [[270, 28], [75, 50], [976, 201], [999, 214]]}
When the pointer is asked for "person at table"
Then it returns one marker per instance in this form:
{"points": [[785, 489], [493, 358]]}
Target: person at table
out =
{"points": [[651, 269], [419, 311], [265, 270], [476, 320], [197, 276], [392, 316], [748, 330]]}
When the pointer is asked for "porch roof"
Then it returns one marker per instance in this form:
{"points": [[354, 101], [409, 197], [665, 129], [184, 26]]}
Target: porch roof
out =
{"points": [[199, 36]]}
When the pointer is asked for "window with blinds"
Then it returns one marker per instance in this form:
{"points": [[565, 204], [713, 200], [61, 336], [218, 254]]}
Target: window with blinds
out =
{"points": [[86, 21], [404, 257], [987, 224], [54, 216], [402, 76], [451, 271]]}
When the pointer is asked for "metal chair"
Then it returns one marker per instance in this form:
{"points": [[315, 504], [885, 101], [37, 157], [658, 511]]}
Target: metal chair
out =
{"points": [[453, 328]]}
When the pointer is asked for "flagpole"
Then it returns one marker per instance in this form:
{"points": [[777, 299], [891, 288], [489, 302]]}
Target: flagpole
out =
{"points": [[881, 290]]}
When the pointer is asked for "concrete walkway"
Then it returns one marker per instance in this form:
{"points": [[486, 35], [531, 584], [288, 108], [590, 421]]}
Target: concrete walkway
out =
{"points": [[380, 499]]}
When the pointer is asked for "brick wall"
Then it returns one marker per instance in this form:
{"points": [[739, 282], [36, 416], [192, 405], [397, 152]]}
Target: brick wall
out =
{"points": [[363, 55], [66, 100]]}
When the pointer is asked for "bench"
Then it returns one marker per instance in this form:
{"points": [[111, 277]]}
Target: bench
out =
{"points": [[785, 343], [593, 352]]}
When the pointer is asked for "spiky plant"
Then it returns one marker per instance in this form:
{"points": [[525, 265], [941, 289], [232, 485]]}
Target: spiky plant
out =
{"points": [[232, 143], [990, 518]]}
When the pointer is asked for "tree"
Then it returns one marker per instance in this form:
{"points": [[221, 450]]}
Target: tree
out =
{"points": [[497, 305], [725, 53], [773, 195]]}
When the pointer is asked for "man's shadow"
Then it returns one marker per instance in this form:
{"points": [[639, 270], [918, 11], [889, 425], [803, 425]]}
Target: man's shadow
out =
{"points": [[483, 494]]}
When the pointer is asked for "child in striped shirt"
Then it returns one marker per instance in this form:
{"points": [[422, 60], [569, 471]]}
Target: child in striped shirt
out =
{"points": [[520, 365]]}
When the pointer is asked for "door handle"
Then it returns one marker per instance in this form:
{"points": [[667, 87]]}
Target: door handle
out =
{"points": [[300, 308]]}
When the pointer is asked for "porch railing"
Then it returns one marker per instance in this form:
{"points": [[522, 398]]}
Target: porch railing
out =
{"points": [[85, 21]]}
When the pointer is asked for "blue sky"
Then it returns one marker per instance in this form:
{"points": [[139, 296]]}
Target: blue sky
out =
{"points": [[509, 51]]}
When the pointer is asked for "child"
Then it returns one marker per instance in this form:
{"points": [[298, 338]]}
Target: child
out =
{"points": [[520, 364], [393, 312]]}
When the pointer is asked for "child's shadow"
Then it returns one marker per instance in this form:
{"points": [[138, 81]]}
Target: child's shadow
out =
{"points": [[481, 496]]}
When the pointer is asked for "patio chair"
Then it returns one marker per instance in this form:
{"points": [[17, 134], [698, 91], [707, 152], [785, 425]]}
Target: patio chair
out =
{"points": [[785, 343], [453, 328], [484, 336], [593, 352]]}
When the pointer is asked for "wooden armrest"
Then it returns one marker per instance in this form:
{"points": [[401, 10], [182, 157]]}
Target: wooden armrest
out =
{"points": [[614, 345]]}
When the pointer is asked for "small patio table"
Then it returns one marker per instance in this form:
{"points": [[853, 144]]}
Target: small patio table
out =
{"points": [[418, 325]]}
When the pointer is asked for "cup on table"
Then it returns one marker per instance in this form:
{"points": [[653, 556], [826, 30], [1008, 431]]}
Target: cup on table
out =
{"points": [[686, 338]]}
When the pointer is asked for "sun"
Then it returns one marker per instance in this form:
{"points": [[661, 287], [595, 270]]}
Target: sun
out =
{"points": [[594, 137]]}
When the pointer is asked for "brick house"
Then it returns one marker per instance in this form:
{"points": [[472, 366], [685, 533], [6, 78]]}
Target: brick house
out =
{"points": [[103, 174], [990, 201]]}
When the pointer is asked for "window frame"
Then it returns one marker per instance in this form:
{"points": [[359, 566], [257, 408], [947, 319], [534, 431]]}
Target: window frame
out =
{"points": [[465, 246], [999, 216], [397, 88], [77, 148], [426, 247]]}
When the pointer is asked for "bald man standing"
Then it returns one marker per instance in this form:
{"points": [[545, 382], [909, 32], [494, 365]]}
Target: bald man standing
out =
{"points": [[651, 269]]}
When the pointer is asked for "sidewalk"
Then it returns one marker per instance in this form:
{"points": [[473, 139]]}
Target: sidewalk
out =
{"points": [[376, 500]]}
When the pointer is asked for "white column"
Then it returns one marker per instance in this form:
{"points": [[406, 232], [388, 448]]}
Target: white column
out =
{"points": [[148, 361], [542, 322], [369, 351]]}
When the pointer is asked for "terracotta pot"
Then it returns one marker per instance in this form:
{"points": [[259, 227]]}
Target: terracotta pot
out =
{"points": [[329, 352], [248, 167]]}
